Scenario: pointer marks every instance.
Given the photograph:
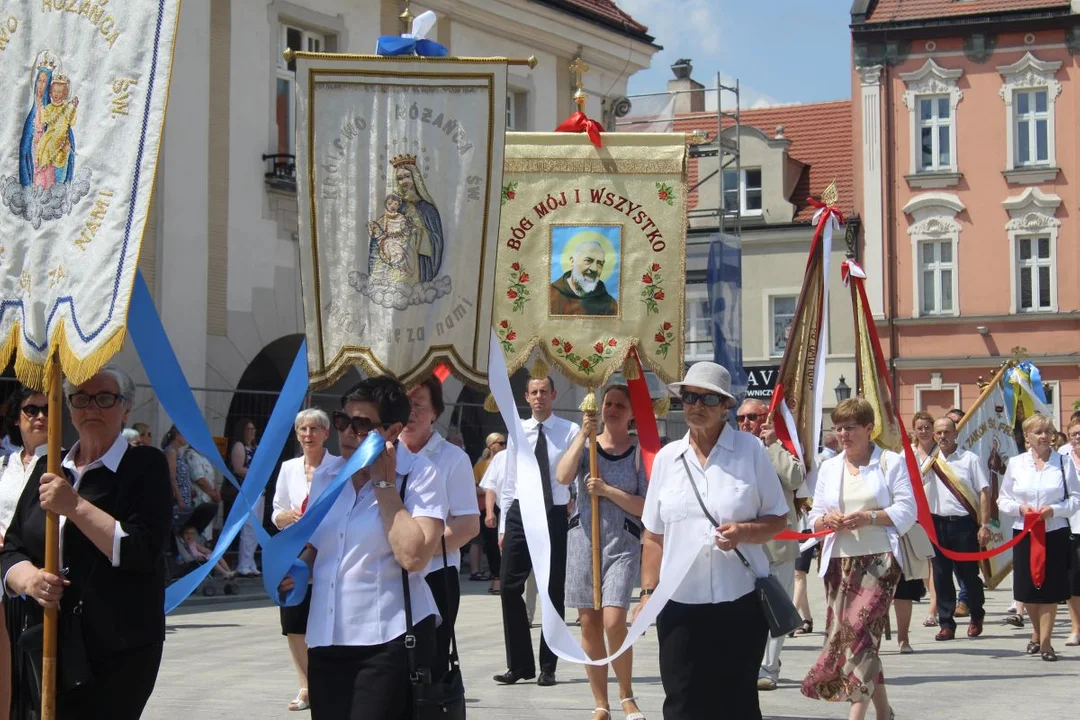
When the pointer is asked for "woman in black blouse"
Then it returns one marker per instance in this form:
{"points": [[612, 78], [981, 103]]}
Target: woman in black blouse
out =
{"points": [[115, 508]]}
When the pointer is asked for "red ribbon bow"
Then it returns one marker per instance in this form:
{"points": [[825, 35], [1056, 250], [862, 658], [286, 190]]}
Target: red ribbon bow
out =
{"points": [[579, 122]]}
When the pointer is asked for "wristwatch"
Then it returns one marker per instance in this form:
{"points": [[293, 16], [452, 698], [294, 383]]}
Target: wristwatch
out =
{"points": [[873, 517], [986, 526], [383, 484]]}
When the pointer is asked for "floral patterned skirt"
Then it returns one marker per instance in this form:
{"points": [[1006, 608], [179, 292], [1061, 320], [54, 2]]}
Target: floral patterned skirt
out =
{"points": [[858, 591]]}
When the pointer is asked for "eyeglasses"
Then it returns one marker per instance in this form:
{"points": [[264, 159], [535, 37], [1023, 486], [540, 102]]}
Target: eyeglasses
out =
{"points": [[752, 417], [499, 442], [32, 411], [103, 400], [359, 425], [707, 399]]}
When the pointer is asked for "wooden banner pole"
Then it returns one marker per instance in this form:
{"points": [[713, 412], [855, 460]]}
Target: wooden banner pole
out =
{"points": [[55, 389], [594, 471]]}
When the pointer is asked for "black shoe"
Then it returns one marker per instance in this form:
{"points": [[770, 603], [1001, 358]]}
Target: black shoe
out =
{"points": [[546, 679], [510, 677]]}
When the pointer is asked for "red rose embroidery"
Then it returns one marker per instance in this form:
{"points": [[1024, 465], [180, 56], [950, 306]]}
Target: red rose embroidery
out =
{"points": [[511, 335], [515, 267], [510, 194], [612, 342], [647, 279], [659, 295], [504, 324], [555, 342], [663, 195], [584, 364], [511, 294], [567, 347], [667, 326], [659, 337], [524, 278], [599, 347], [656, 267]]}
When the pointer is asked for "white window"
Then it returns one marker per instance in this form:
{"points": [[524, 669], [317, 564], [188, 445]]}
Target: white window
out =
{"points": [[1030, 91], [1035, 270], [742, 191], [516, 110], [699, 324], [301, 40], [931, 98], [938, 271], [1050, 390], [782, 317], [935, 133], [1032, 127]]}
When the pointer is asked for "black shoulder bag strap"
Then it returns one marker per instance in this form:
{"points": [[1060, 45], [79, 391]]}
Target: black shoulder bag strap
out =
{"points": [[410, 637], [697, 494], [446, 591]]}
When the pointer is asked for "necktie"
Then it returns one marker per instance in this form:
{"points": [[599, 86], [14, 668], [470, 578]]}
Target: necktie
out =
{"points": [[545, 465]]}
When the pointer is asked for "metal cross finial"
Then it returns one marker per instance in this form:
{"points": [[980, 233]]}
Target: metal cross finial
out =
{"points": [[1019, 354], [579, 68], [831, 195]]}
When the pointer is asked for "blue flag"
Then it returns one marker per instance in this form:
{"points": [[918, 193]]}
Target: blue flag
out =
{"points": [[725, 302]]}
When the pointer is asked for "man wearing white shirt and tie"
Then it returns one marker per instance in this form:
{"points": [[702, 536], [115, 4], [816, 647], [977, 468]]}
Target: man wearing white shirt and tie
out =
{"points": [[548, 437], [959, 494]]}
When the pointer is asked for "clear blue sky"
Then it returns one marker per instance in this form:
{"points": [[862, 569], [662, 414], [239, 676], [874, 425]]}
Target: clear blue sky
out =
{"points": [[782, 51]]}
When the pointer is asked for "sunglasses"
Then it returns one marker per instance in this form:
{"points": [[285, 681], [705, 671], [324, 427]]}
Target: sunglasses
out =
{"points": [[360, 425], [498, 442], [706, 399], [103, 400], [32, 411], [752, 417]]}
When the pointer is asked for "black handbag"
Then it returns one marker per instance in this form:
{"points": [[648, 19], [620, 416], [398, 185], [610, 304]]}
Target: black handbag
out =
{"points": [[444, 698], [780, 611]]}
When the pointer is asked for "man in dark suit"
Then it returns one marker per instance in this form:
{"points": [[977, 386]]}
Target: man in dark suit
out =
{"points": [[115, 508]]}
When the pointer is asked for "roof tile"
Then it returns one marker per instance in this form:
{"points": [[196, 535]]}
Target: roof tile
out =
{"points": [[606, 12], [886, 11]]}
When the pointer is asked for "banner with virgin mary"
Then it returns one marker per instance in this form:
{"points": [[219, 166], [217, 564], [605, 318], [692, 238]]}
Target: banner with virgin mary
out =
{"points": [[85, 86], [399, 163]]}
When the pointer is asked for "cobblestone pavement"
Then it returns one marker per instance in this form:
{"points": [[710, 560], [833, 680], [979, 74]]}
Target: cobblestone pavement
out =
{"points": [[230, 661]]}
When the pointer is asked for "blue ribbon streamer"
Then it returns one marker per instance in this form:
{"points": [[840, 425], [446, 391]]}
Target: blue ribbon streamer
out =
{"points": [[1013, 390], [281, 551], [393, 46], [174, 394]]}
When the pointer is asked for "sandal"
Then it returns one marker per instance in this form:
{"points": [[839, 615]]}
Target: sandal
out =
{"points": [[1050, 655], [906, 649], [601, 710], [1015, 620], [930, 621], [806, 628], [1033, 648], [636, 715], [1073, 640], [300, 702]]}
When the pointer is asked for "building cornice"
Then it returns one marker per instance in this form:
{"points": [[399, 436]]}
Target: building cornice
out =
{"points": [[975, 320], [978, 361]]}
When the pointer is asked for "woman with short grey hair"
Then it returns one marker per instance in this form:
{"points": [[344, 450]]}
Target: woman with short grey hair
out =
{"points": [[312, 428]]}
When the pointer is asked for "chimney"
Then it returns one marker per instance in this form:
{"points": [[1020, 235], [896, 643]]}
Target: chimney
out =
{"points": [[691, 95]]}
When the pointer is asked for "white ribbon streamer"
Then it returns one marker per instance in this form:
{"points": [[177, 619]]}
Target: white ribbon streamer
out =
{"points": [[530, 496]]}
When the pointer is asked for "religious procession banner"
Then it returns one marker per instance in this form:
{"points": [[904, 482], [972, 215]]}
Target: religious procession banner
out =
{"points": [[987, 432], [592, 253], [86, 83], [399, 166]]}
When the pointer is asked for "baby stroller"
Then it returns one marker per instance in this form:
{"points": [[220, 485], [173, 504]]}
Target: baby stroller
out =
{"points": [[181, 560]]}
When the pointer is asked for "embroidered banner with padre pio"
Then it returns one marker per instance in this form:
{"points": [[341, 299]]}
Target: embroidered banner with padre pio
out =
{"points": [[85, 85], [399, 162], [592, 252]]}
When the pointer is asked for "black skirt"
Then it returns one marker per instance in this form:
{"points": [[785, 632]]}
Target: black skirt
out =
{"points": [[913, 590], [1055, 586], [294, 619], [1074, 572], [23, 683]]}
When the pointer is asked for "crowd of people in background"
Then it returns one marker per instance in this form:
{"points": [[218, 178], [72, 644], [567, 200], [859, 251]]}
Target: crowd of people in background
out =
{"points": [[364, 625]]}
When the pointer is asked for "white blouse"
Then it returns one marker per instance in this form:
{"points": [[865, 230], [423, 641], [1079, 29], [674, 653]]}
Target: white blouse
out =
{"points": [[737, 484], [1023, 484], [455, 472], [357, 597], [292, 485], [13, 482], [887, 476]]}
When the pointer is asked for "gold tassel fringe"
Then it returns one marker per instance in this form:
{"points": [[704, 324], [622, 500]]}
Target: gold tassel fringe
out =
{"points": [[661, 406], [77, 370], [540, 369], [490, 405], [588, 403], [630, 368]]}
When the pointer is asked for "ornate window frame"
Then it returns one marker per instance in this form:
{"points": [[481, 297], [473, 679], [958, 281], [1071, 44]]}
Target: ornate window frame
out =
{"points": [[1029, 73], [1032, 213], [932, 79], [934, 216]]}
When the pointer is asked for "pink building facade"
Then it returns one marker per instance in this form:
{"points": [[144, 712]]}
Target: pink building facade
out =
{"points": [[967, 177]]}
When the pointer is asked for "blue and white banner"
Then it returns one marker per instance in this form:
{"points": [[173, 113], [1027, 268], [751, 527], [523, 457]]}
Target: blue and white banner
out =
{"points": [[725, 304], [86, 83]]}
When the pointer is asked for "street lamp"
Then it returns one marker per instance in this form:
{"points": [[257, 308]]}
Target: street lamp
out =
{"points": [[843, 392]]}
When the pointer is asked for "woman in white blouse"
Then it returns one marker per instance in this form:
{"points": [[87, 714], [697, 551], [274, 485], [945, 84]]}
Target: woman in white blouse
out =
{"points": [[28, 421], [1044, 483], [712, 633], [358, 665], [864, 496], [1072, 453], [312, 427]]}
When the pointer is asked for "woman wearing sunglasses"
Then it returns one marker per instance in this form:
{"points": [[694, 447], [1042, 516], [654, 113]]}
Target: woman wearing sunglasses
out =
{"points": [[28, 418], [713, 494], [115, 508], [358, 663]]}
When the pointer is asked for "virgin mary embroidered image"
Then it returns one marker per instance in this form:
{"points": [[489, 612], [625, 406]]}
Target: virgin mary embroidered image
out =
{"points": [[47, 187]]}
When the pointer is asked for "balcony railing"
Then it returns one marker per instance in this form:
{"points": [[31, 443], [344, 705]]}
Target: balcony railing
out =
{"points": [[281, 171]]}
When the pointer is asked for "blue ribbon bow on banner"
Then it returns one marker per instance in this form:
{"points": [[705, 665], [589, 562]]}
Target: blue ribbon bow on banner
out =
{"points": [[414, 43], [1023, 385]]}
